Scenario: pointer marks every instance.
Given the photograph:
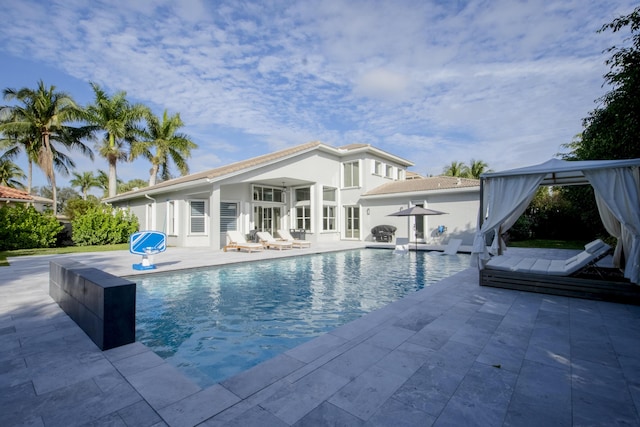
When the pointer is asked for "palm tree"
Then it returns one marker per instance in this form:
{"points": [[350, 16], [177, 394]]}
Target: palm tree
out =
{"points": [[458, 169], [119, 120], [169, 146], [477, 168], [86, 181], [39, 122], [10, 173]]}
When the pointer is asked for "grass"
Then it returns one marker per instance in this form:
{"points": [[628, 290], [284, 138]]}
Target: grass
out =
{"points": [[59, 251]]}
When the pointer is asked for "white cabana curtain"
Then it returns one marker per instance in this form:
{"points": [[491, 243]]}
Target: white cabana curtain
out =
{"points": [[618, 189], [506, 199]]}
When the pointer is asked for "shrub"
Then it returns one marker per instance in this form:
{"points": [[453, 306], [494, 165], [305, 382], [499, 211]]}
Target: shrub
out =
{"points": [[103, 225], [23, 227], [78, 207]]}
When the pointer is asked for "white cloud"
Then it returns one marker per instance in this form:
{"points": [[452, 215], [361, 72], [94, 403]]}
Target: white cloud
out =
{"points": [[502, 81]]}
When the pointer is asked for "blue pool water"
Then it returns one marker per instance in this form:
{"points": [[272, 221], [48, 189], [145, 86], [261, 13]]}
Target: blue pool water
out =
{"points": [[216, 322]]}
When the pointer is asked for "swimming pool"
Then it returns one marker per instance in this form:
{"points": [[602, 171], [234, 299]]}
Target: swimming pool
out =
{"points": [[214, 323]]}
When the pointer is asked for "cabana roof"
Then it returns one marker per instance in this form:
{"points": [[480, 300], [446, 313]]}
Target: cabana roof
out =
{"points": [[563, 172]]}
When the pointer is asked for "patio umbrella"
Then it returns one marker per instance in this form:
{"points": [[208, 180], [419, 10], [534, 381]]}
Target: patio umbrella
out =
{"points": [[416, 211]]}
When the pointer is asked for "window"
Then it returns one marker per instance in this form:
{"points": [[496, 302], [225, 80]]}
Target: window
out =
{"points": [[328, 218], [389, 171], [172, 229], [399, 174], [377, 168], [303, 207], [328, 194], [197, 215], [303, 194], [351, 174], [228, 217], [268, 194], [329, 208], [303, 217]]}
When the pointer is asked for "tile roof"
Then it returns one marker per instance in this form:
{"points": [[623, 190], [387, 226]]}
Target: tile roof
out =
{"points": [[14, 194], [424, 184]]}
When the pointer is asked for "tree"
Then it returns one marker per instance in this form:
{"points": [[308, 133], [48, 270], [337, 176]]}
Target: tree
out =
{"points": [[169, 146], [611, 130], [133, 184], [86, 181], [477, 168], [119, 120], [39, 122], [10, 173], [458, 169]]}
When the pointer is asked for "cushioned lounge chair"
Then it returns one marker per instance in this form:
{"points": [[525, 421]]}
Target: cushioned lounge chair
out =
{"points": [[235, 240], [287, 237], [269, 242], [592, 253]]}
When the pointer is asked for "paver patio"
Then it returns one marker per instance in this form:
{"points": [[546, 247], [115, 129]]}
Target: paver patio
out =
{"points": [[451, 354]]}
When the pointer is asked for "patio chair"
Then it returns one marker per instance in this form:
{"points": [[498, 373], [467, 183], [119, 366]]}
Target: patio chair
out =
{"points": [[236, 240], [452, 247], [287, 237], [593, 252], [269, 242]]}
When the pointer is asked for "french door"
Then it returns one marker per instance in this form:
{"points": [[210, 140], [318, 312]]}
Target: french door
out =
{"points": [[352, 222], [267, 218]]}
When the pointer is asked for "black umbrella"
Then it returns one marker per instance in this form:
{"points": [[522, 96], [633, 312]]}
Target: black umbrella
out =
{"points": [[416, 211]]}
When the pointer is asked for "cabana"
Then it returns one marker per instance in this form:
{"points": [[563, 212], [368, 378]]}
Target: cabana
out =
{"points": [[504, 196]]}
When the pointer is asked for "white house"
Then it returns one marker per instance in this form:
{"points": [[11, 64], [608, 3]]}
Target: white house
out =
{"points": [[330, 193]]}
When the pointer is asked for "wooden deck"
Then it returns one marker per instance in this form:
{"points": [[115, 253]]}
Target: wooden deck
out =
{"points": [[591, 287]]}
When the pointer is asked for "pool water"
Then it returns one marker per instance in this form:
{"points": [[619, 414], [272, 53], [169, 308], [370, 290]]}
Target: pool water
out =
{"points": [[214, 323]]}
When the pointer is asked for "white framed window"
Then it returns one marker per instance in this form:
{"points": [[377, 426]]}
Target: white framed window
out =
{"points": [[172, 218], [197, 216], [329, 218], [303, 208], [377, 168], [228, 217], [268, 194], [351, 174], [303, 217], [329, 205], [388, 173]]}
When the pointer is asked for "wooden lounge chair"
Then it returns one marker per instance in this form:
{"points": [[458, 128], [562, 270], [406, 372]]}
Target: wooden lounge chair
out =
{"points": [[269, 242], [235, 240], [286, 236]]}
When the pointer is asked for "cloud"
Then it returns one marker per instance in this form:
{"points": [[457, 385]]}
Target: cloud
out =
{"points": [[502, 81]]}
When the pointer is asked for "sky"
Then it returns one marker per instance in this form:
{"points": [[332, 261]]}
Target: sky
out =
{"points": [[432, 81]]}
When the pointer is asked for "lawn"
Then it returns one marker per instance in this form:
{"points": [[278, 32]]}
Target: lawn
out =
{"points": [[55, 251]]}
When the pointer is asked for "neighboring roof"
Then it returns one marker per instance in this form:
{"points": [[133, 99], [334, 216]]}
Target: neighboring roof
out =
{"points": [[13, 194], [246, 165], [9, 194], [563, 172], [425, 184]]}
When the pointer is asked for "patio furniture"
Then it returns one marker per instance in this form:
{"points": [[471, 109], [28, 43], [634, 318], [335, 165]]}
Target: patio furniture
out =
{"points": [[235, 240], [269, 242], [383, 233], [297, 243]]}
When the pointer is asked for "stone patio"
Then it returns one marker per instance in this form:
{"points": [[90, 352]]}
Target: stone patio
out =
{"points": [[451, 354]]}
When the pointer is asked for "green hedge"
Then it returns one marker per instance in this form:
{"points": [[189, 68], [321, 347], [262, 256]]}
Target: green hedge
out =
{"points": [[103, 225], [23, 227]]}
